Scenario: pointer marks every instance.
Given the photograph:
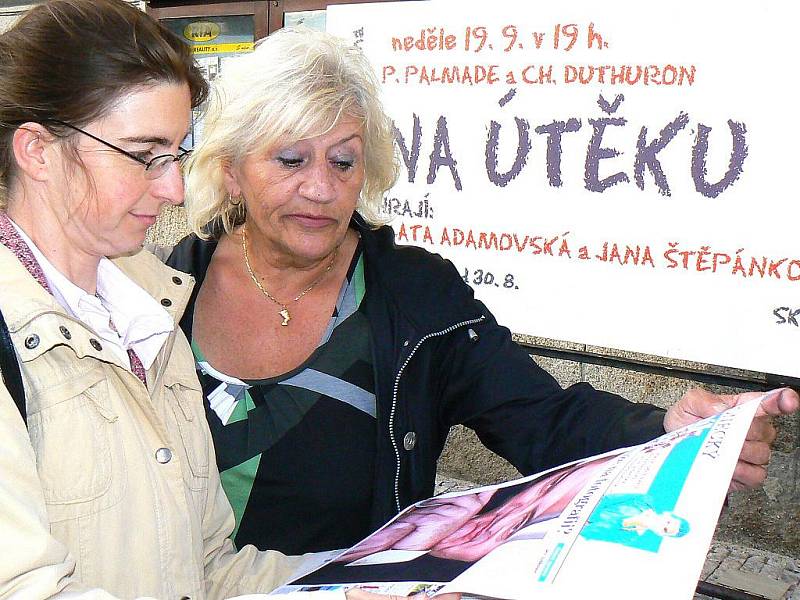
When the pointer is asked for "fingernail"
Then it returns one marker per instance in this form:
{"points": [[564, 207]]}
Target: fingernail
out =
{"points": [[719, 407]]}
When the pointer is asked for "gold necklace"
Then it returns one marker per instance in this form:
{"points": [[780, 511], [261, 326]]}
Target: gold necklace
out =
{"points": [[284, 311]]}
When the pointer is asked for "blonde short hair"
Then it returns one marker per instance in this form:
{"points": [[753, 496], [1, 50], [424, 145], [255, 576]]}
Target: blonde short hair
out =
{"points": [[298, 83]]}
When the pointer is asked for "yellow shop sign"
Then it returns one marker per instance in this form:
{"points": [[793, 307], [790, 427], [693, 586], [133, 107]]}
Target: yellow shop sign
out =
{"points": [[230, 48], [201, 31]]}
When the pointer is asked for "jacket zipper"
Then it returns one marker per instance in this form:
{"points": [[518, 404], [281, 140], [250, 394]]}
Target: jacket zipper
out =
{"points": [[396, 388]]}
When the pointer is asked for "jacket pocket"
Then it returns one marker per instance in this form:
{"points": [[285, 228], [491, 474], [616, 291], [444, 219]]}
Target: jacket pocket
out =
{"points": [[183, 397], [74, 433], [195, 444]]}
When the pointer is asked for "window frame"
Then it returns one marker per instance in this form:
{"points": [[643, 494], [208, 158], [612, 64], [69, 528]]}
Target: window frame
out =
{"points": [[258, 9], [267, 15]]}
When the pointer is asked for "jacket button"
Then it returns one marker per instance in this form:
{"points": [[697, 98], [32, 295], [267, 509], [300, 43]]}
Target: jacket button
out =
{"points": [[31, 341], [95, 344], [177, 280], [65, 332], [409, 440], [163, 455], [166, 302]]}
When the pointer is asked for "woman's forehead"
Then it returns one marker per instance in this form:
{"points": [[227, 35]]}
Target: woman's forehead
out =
{"points": [[158, 111], [345, 129]]}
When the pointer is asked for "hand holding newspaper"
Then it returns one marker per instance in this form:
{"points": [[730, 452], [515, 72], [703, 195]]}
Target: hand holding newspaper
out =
{"points": [[632, 522]]}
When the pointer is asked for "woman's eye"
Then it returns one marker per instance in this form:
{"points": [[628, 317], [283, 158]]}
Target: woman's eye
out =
{"points": [[342, 165], [290, 161], [144, 156]]}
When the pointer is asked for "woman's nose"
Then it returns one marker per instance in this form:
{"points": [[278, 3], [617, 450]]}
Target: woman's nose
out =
{"points": [[169, 186], [318, 184]]}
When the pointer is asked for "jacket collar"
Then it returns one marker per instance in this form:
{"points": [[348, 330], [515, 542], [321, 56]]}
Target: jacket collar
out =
{"points": [[418, 282], [170, 287], [16, 283]]}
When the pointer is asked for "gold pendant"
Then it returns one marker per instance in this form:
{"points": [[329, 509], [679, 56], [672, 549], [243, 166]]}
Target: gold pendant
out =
{"points": [[284, 312]]}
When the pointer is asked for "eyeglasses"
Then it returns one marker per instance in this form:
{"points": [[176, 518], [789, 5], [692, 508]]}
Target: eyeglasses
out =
{"points": [[153, 168]]}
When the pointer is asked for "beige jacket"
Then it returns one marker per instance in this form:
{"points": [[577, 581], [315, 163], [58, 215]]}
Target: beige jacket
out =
{"points": [[112, 491]]}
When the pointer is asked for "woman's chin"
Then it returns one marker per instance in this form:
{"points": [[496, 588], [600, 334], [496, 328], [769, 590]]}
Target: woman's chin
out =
{"points": [[311, 256], [126, 247]]}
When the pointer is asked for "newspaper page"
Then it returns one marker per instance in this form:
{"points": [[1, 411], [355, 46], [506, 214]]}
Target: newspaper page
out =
{"points": [[632, 521]]}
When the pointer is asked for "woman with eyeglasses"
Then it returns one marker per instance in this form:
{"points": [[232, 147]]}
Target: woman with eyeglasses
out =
{"points": [[108, 481]]}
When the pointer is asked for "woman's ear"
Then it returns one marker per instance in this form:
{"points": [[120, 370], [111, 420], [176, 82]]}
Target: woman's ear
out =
{"points": [[29, 144], [231, 182]]}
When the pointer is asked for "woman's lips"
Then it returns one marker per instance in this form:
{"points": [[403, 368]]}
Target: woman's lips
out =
{"points": [[145, 219], [312, 221]]}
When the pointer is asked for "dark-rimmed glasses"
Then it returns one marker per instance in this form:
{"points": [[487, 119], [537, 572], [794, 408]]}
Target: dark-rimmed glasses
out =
{"points": [[153, 168]]}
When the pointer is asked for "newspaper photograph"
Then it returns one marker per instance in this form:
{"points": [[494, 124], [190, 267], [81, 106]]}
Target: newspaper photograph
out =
{"points": [[632, 521]]}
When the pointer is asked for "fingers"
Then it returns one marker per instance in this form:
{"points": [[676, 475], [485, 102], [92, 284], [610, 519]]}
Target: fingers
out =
{"points": [[703, 403], [736, 399], [695, 404], [762, 430], [783, 401], [698, 403], [755, 453], [788, 401], [751, 470], [747, 476]]}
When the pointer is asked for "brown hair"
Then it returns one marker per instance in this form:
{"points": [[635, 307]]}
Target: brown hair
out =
{"points": [[71, 60]]}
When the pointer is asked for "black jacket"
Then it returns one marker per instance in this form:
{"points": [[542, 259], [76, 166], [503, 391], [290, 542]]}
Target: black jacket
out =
{"points": [[441, 359]]}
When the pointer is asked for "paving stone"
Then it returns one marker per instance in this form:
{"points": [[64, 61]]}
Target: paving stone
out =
{"points": [[754, 583], [708, 568], [717, 553], [790, 576], [732, 563], [780, 562], [753, 564], [773, 571], [738, 552]]}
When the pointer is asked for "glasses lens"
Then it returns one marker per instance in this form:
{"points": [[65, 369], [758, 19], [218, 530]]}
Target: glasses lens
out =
{"points": [[158, 166]]}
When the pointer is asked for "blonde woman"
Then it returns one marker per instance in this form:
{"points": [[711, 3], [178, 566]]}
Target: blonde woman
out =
{"points": [[334, 362]]}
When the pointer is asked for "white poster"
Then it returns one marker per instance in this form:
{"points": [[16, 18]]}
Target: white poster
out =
{"points": [[602, 173]]}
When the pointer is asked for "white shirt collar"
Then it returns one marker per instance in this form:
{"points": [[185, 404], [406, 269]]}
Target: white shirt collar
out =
{"points": [[141, 323]]}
